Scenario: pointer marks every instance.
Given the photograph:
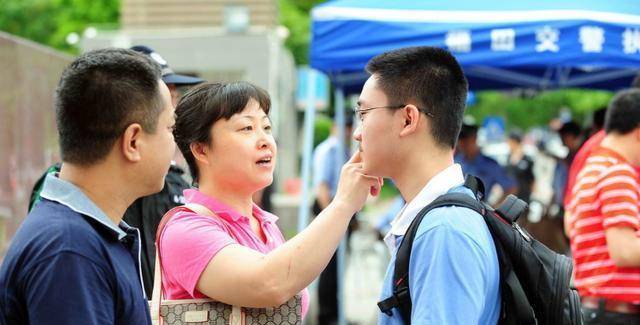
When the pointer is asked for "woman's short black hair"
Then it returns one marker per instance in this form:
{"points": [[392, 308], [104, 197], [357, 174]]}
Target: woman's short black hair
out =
{"points": [[207, 103]]}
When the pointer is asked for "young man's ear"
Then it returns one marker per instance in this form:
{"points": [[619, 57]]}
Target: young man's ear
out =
{"points": [[131, 141], [411, 117]]}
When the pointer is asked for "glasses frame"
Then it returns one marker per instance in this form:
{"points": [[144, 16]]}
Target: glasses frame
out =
{"points": [[358, 111]]}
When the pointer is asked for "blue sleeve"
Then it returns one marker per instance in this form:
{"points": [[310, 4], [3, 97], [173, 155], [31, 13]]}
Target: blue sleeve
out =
{"points": [[559, 183], [69, 289], [446, 278], [322, 167]]}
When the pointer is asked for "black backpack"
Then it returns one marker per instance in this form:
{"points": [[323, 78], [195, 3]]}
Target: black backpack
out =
{"points": [[534, 280]]}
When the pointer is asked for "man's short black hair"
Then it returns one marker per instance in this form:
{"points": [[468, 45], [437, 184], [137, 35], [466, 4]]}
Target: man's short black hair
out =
{"points": [[468, 131], [430, 78], [570, 128], [515, 135], [623, 114], [207, 103], [598, 118], [99, 95]]}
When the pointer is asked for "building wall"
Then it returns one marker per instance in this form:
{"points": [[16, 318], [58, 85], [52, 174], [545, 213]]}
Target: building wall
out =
{"points": [[28, 138], [192, 13]]}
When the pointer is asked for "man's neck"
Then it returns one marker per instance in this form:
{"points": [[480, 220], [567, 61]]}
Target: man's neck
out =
{"points": [[101, 187], [621, 145], [418, 170]]}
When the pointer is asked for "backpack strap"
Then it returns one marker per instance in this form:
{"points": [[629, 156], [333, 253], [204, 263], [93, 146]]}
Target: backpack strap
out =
{"points": [[476, 185], [401, 297]]}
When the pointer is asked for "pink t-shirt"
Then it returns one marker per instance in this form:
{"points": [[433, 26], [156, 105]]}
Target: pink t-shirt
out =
{"points": [[189, 241]]}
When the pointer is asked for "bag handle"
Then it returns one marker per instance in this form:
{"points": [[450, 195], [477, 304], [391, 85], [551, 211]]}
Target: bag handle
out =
{"points": [[158, 294]]}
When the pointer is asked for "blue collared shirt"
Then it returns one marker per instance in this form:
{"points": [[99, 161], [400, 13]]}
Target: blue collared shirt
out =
{"points": [[327, 163], [454, 275], [70, 264]]}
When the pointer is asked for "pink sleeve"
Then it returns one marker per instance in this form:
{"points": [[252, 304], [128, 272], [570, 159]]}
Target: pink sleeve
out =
{"points": [[187, 245]]}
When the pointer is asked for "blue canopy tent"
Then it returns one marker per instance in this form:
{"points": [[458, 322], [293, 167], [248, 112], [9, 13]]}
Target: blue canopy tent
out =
{"points": [[541, 44], [528, 44]]}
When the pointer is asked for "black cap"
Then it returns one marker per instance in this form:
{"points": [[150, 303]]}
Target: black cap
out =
{"points": [[168, 76]]}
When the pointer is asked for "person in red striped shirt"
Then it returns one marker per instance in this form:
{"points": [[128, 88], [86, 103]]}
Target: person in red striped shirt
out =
{"points": [[605, 219]]}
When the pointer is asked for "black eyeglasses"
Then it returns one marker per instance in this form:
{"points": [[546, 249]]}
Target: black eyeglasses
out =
{"points": [[359, 111]]}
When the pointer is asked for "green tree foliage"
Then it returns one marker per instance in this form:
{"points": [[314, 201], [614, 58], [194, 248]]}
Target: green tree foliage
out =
{"points": [[540, 109], [322, 129], [295, 15], [50, 21]]}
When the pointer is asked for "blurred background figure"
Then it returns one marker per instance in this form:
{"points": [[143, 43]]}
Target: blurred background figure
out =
{"points": [[175, 82], [383, 222], [520, 166], [571, 136], [469, 155], [327, 163]]}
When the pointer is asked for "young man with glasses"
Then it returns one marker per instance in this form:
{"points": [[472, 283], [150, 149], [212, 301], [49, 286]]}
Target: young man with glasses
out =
{"points": [[411, 110]]}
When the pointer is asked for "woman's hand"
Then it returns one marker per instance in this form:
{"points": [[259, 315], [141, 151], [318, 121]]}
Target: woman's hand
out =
{"points": [[355, 186]]}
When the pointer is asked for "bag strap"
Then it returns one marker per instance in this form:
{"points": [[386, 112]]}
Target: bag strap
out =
{"points": [[401, 297], [158, 294], [476, 185]]}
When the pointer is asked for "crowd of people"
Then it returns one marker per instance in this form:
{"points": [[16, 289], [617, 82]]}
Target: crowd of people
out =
{"points": [[85, 253]]}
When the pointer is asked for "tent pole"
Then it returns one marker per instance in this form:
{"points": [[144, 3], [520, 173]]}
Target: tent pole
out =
{"points": [[599, 77], [340, 122], [307, 154]]}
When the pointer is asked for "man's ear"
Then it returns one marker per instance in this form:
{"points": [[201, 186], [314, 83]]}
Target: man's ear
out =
{"points": [[130, 142], [411, 116]]}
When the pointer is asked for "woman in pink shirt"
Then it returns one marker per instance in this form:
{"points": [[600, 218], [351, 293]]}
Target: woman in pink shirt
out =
{"points": [[239, 256]]}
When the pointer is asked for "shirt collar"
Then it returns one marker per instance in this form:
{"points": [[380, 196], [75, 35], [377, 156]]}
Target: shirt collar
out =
{"points": [[225, 211], [440, 184], [65, 193]]}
